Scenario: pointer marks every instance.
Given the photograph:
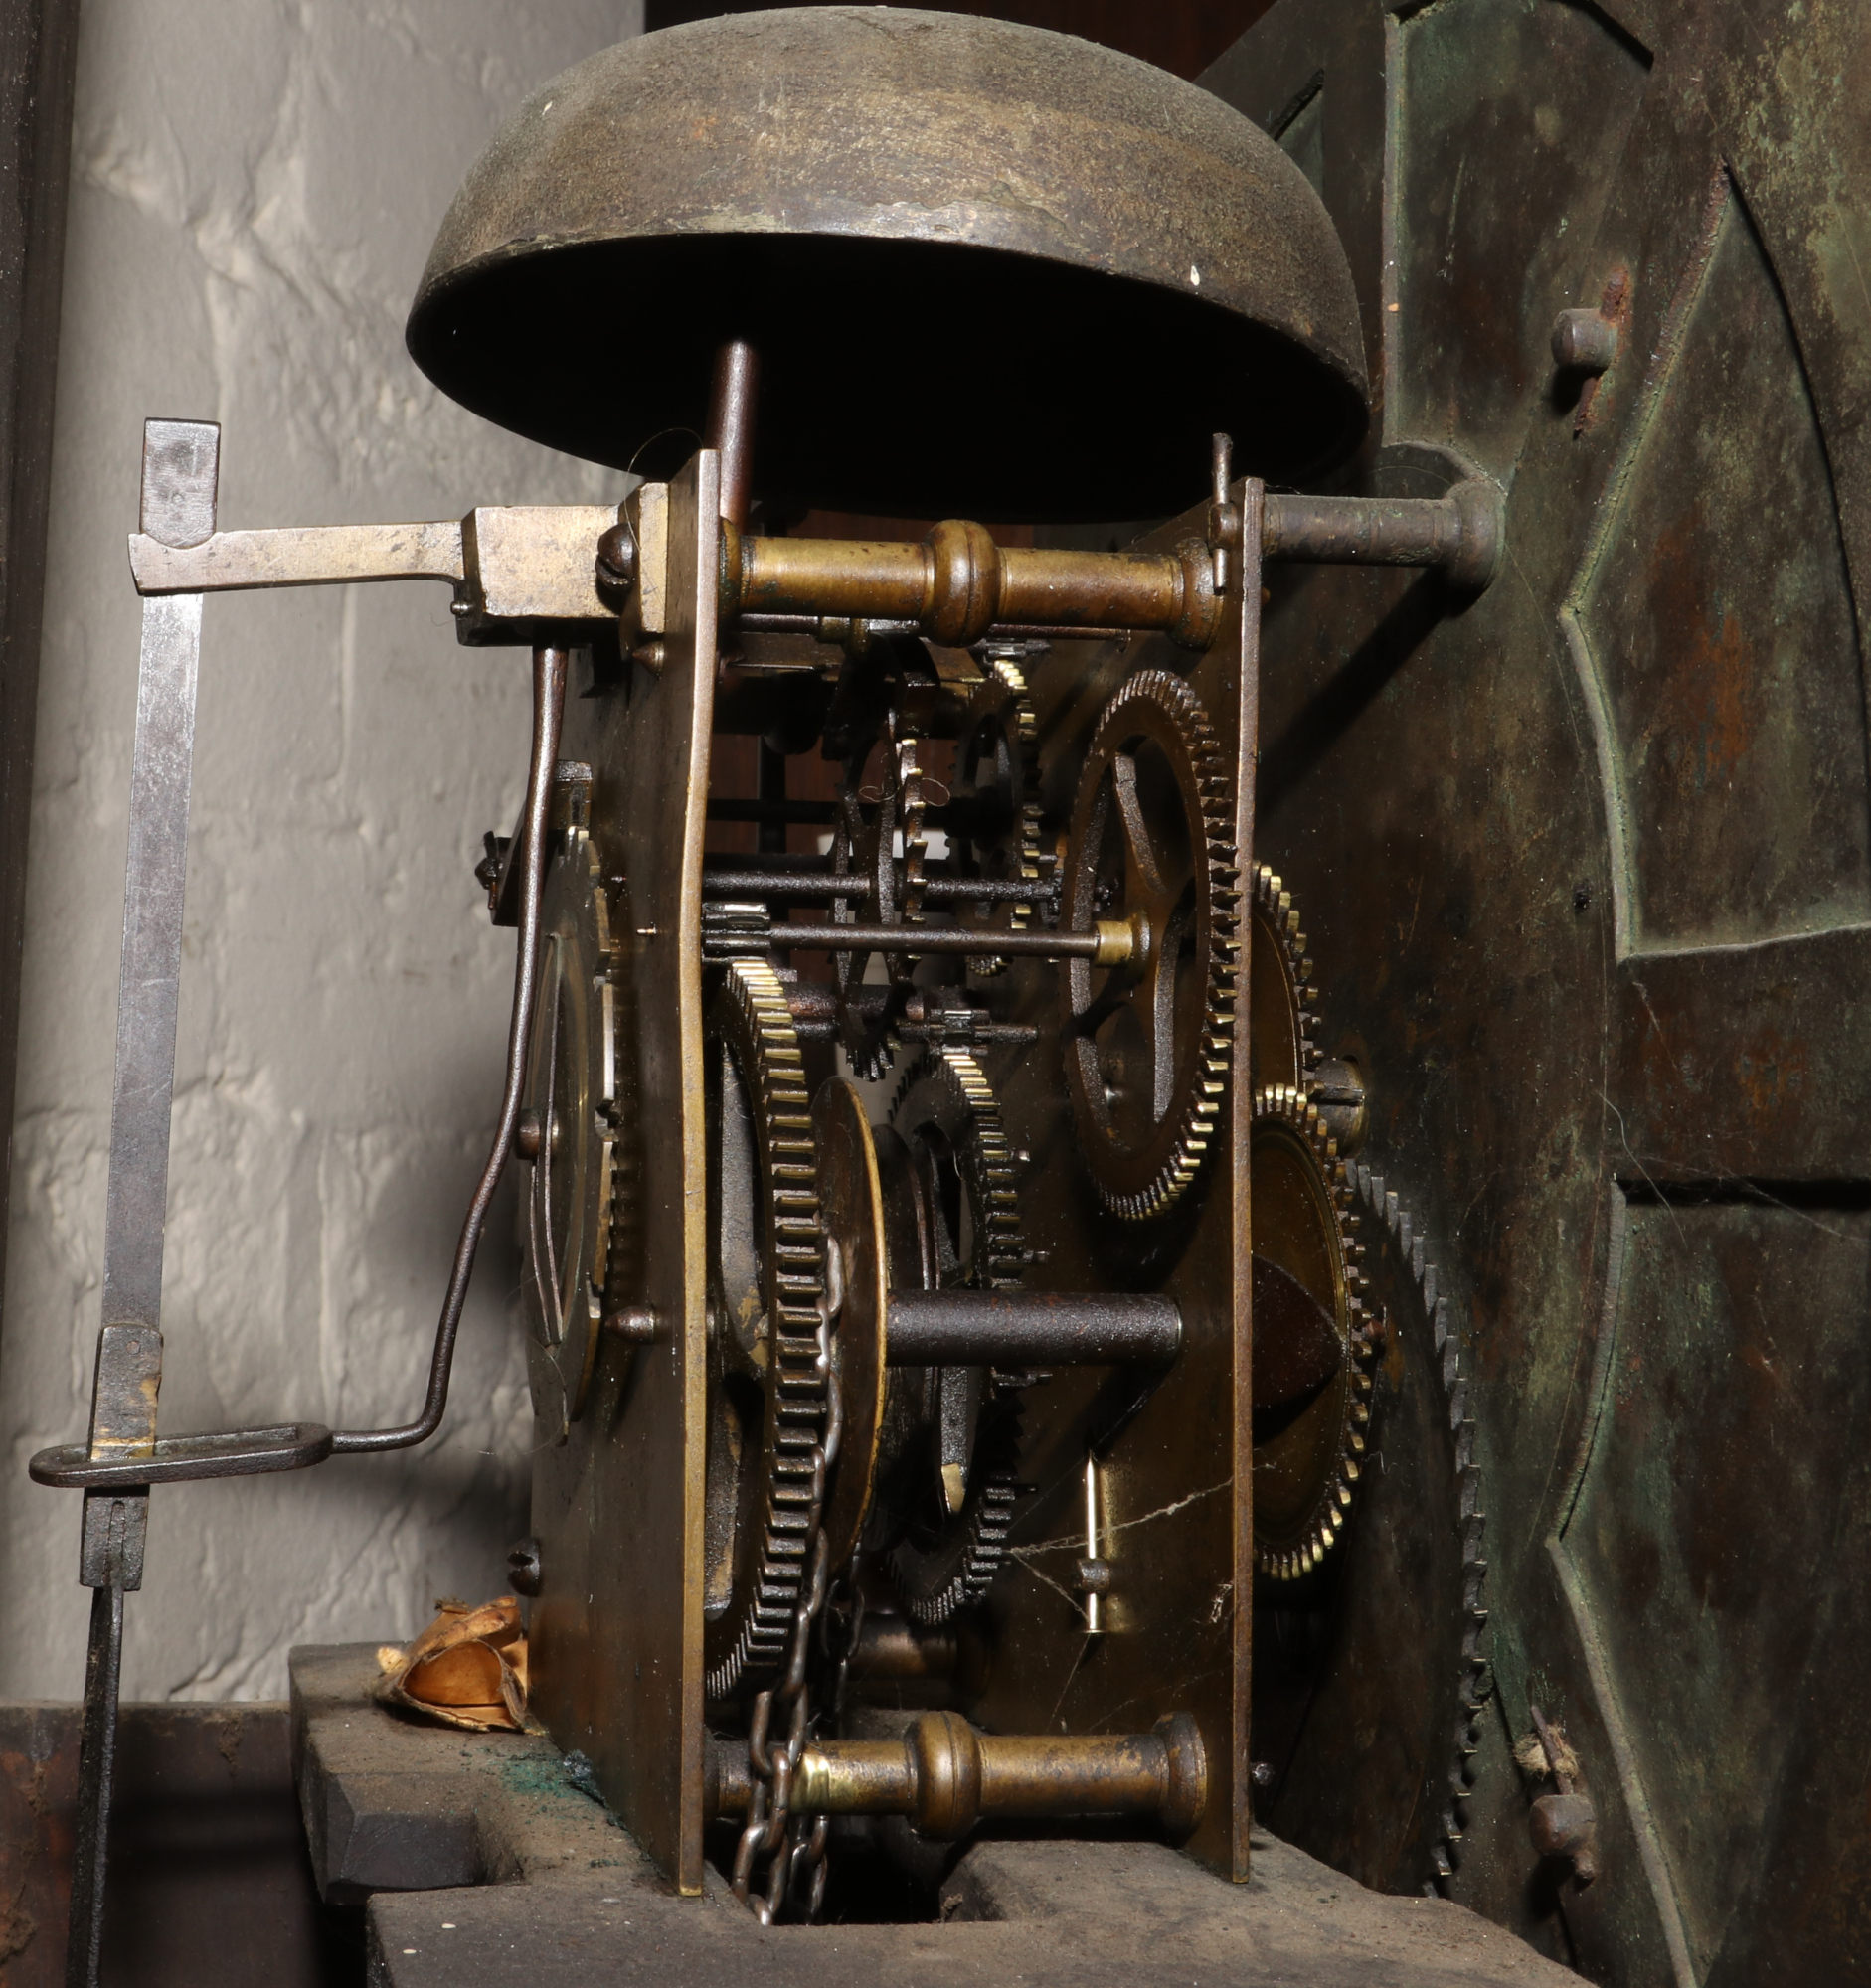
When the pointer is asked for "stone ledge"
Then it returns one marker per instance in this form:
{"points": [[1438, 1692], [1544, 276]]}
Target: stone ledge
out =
{"points": [[483, 1863]]}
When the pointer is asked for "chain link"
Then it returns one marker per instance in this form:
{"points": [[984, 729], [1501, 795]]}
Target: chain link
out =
{"points": [[793, 1845]]}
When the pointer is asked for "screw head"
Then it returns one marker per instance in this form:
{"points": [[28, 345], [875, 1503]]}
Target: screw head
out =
{"points": [[523, 1568]]}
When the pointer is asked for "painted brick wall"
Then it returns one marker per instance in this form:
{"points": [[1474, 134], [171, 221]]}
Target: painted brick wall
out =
{"points": [[255, 187]]}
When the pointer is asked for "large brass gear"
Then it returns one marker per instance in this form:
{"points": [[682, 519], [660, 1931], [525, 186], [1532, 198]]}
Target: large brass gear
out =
{"points": [[1147, 1044], [569, 1131], [997, 789], [959, 1177], [1308, 1457], [769, 1371]]}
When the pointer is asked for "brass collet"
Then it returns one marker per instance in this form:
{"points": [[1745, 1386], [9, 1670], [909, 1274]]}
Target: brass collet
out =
{"points": [[945, 1776]]}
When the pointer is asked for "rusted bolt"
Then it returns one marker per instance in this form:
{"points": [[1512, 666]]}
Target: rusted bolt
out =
{"points": [[1260, 1773], [523, 1568], [1563, 1824], [527, 1136], [1583, 341]]}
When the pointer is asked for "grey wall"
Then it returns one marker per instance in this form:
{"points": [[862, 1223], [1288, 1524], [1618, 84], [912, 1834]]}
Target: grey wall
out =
{"points": [[254, 186]]}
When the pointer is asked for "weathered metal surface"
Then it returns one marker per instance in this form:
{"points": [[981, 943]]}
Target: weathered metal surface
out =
{"points": [[952, 172], [1461, 534], [617, 1636], [180, 464], [1583, 869], [522, 575], [185, 1459]]}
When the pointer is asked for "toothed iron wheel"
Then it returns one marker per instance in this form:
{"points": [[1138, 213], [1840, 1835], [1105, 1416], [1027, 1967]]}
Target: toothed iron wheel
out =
{"points": [[769, 1371], [1146, 1042], [1369, 1676], [947, 1495], [568, 1132]]}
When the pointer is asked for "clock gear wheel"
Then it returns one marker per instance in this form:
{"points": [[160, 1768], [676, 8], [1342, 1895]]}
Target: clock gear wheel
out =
{"points": [[769, 1365], [1410, 1579], [997, 792], [1280, 996], [1313, 1345], [569, 1131], [948, 1496], [864, 844], [1147, 1043]]}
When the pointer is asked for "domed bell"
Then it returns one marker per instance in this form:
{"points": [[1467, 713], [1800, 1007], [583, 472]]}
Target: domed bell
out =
{"points": [[989, 270]]}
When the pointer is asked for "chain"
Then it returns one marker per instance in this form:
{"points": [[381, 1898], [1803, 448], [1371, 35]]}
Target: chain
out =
{"points": [[793, 1845]]}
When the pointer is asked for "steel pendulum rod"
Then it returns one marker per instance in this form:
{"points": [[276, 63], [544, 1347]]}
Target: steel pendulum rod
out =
{"points": [[180, 465]]}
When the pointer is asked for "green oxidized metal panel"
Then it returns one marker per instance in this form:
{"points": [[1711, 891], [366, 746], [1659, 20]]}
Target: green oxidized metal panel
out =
{"points": [[1706, 1530], [1719, 617], [1535, 93], [1582, 867]]}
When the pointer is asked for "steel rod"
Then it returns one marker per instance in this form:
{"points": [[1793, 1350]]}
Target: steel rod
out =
{"points": [[1461, 533], [825, 885], [1030, 1329], [834, 628], [732, 408], [931, 940], [549, 696]]}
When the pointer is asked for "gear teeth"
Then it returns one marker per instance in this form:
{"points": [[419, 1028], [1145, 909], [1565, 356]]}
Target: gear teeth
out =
{"points": [[953, 1085], [1280, 918], [1004, 695], [751, 1010], [914, 841], [870, 1046], [1195, 1115], [1472, 1681], [1333, 1509]]}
